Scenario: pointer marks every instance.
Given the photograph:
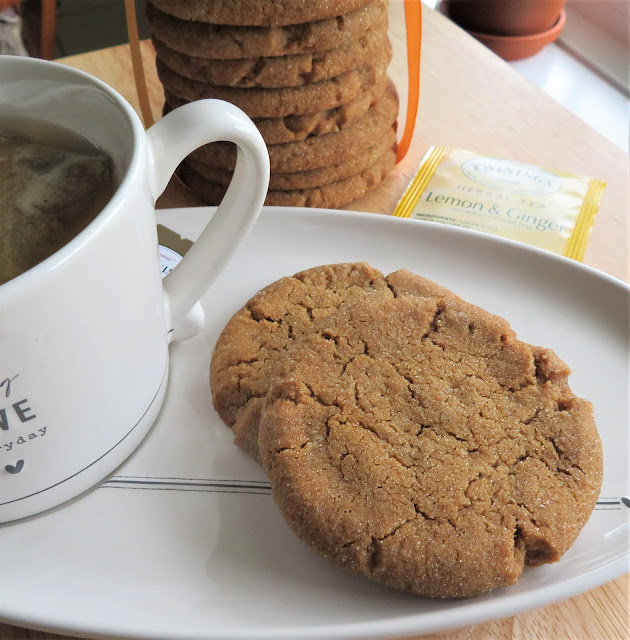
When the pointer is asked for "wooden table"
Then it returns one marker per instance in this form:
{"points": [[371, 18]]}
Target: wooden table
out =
{"points": [[469, 99]]}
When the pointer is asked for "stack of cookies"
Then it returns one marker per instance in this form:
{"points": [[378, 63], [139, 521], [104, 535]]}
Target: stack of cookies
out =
{"points": [[408, 435], [311, 75]]}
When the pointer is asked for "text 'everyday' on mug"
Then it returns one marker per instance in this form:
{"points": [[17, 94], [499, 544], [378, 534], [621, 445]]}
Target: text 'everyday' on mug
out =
{"points": [[84, 334]]}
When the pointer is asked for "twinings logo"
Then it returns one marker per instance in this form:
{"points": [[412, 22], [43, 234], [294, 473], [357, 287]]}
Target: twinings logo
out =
{"points": [[515, 177]]}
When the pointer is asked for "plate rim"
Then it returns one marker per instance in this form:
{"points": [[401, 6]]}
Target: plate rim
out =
{"points": [[438, 227], [400, 627]]}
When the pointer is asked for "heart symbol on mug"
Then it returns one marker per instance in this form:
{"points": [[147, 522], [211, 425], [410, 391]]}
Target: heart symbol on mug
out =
{"points": [[15, 468]]}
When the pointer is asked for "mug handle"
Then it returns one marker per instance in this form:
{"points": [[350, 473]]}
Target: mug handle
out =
{"points": [[170, 140]]}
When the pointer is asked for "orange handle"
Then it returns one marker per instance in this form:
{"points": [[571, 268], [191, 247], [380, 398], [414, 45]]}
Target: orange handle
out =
{"points": [[413, 24], [136, 63]]}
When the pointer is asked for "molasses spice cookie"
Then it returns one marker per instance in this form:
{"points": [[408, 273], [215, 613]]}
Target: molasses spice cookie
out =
{"points": [[274, 103], [308, 179], [279, 71], [207, 40], [328, 196], [317, 151], [416, 441], [293, 128], [256, 339], [258, 335], [264, 13]]}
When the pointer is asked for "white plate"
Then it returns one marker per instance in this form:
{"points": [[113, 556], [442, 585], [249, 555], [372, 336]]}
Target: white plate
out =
{"points": [[184, 541]]}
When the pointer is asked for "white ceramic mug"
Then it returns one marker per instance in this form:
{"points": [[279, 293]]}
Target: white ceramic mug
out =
{"points": [[84, 335]]}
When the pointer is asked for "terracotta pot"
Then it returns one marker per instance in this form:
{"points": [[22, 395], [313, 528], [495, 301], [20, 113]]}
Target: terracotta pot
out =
{"points": [[504, 17], [518, 47]]}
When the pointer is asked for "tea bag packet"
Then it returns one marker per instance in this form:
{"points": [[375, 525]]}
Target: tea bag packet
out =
{"points": [[549, 209], [48, 195]]}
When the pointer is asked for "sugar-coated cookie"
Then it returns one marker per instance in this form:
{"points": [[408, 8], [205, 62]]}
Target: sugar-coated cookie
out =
{"points": [[308, 179], [317, 151], [293, 128], [258, 335], [207, 40], [415, 440], [331, 195], [275, 103], [264, 13], [276, 71]]}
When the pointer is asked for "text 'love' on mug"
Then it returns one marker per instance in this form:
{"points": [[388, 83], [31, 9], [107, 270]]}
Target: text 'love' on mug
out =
{"points": [[84, 333]]}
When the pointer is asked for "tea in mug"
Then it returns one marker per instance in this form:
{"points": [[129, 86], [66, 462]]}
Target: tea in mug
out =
{"points": [[53, 183]]}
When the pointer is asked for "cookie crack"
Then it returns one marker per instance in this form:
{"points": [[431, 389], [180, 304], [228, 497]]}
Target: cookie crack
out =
{"points": [[255, 70], [472, 481], [309, 310], [373, 549], [343, 371], [414, 394], [280, 450], [556, 447], [373, 552], [249, 393], [434, 325], [562, 458], [387, 449], [315, 396], [327, 335], [563, 465], [533, 417], [257, 315], [234, 39], [564, 404], [456, 437], [421, 513], [536, 549]]}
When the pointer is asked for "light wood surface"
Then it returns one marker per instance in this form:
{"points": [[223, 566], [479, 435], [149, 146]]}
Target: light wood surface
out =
{"points": [[473, 100]]}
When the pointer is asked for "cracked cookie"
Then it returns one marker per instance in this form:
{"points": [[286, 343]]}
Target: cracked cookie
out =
{"points": [[207, 40], [331, 195], [265, 13], [278, 71], [308, 179], [277, 103], [319, 150], [293, 128], [257, 336], [255, 340], [418, 442]]}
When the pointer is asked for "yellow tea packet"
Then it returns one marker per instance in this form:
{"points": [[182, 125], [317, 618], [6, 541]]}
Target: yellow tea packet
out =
{"points": [[548, 209]]}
